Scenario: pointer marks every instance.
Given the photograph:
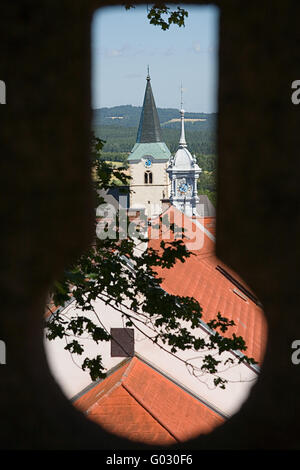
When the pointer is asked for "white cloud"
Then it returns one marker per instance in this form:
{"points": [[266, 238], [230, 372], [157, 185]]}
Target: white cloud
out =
{"points": [[114, 52], [169, 51], [197, 47], [118, 52]]}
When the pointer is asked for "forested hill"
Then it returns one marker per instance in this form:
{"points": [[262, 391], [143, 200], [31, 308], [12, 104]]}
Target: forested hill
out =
{"points": [[129, 116], [122, 139], [118, 128]]}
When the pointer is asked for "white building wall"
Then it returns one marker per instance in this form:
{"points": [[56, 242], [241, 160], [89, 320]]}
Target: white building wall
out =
{"points": [[72, 379], [149, 195]]}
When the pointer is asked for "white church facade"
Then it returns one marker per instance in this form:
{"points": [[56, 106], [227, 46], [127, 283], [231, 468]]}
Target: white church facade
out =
{"points": [[156, 175]]}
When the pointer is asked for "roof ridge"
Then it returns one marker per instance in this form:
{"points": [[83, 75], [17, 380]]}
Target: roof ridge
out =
{"points": [[131, 365], [175, 382], [144, 406], [112, 388], [97, 382], [131, 392], [105, 395]]}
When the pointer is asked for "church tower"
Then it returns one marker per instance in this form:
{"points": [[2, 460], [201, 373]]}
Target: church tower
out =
{"points": [[148, 161], [183, 173]]}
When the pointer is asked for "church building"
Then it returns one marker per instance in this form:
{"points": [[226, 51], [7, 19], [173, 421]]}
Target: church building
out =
{"points": [[148, 161], [156, 176]]}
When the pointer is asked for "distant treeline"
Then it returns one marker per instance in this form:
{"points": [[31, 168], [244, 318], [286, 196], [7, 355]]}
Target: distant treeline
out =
{"points": [[206, 162], [206, 181], [122, 139], [129, 116], [201, 139]]}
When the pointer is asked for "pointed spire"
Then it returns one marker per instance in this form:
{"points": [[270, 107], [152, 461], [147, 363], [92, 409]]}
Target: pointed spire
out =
{"points": [[182, 141], [149, 128], [181, 101]]}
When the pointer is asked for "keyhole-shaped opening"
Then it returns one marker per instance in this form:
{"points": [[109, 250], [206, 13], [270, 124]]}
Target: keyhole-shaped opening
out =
{"points": [[154, 391]]}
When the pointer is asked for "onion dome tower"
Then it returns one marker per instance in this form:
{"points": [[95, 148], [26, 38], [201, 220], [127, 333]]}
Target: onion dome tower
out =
{"points": [[184, 172]]}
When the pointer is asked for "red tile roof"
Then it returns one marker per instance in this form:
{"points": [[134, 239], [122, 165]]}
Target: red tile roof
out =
{"points": [[50, 309], [139, 403], [210, 224], [198, 277]]}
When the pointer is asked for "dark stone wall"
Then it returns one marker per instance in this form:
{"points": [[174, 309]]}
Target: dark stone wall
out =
{"points": [[47, 207]]}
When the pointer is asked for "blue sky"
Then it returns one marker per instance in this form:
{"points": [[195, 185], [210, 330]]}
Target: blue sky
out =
{"points": [[124, 43]]}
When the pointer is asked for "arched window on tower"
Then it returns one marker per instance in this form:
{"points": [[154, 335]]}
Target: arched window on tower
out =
{"points": [[148, 177]]}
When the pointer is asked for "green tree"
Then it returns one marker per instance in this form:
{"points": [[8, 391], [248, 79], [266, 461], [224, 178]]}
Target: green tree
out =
{"points": [[112, 272], [163, 16]]}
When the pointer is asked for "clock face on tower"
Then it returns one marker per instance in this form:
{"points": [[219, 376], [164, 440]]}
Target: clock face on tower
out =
{"points": [[148, 163], [183, 187]]}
